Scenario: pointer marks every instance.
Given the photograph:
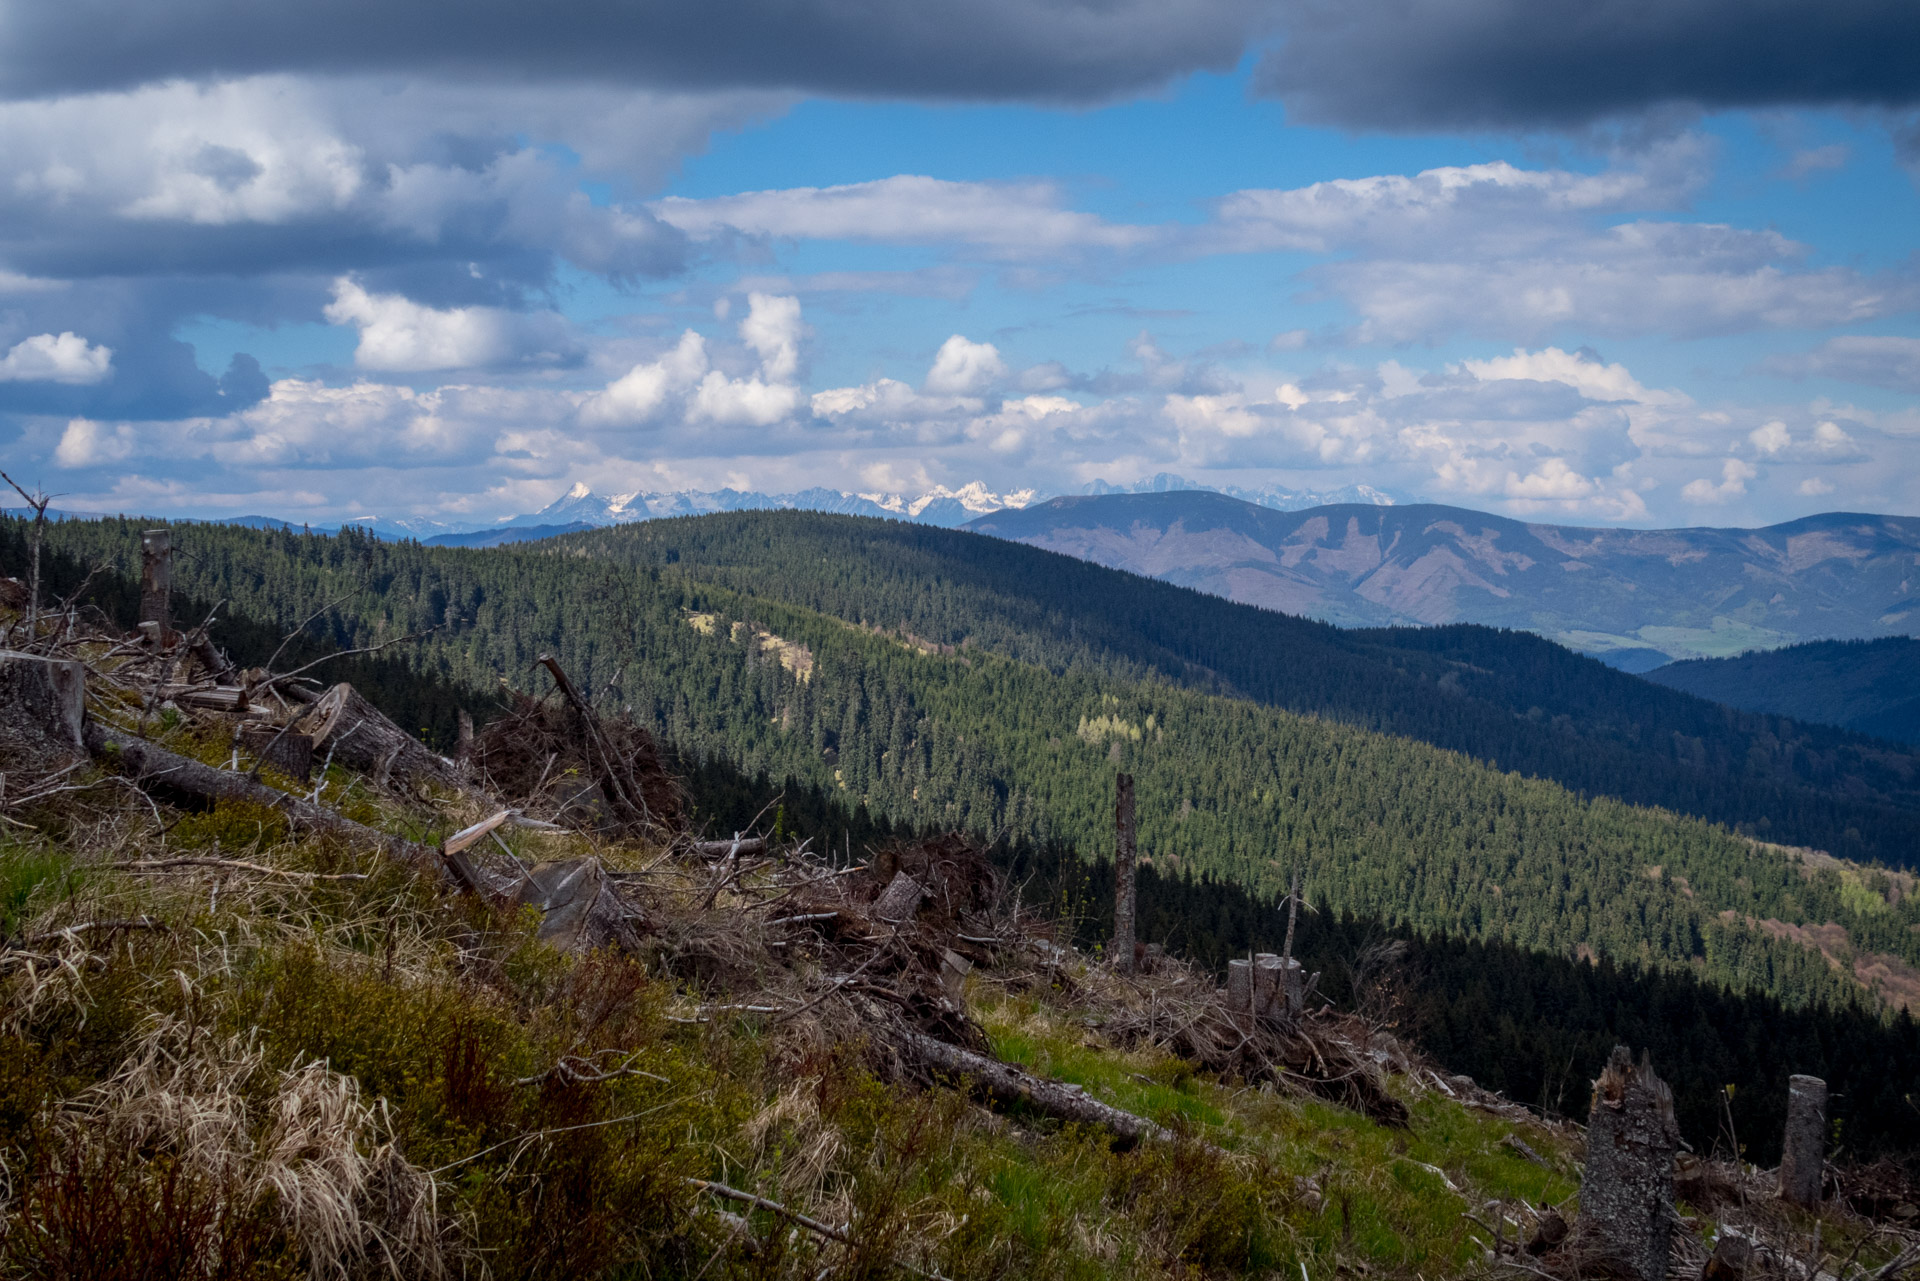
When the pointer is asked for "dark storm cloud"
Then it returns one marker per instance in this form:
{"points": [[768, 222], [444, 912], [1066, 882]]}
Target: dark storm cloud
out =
{"points": [[1424, 64], [1036, 49]]}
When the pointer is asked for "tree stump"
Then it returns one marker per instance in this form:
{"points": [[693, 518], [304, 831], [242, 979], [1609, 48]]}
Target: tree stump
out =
{"points": [[288, 751], [1240, 985], [357, 735], [1266, 984], [1293, 987], [42, 705], [1626, 1191], [1804, 1151], [899, 901], [579, 908]]}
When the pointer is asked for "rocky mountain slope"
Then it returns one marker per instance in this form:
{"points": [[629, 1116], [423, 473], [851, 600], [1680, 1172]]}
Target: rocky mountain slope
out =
{"points": [[1634, 597]]}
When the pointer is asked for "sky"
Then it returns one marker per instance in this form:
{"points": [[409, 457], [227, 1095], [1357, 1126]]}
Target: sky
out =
{"points": [[1589, 263]]}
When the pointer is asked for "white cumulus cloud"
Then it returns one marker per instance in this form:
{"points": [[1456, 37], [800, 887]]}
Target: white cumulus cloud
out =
{"points": [[56, 358], [1734, 476], [683, 384], [964, 368], [398, 335]]}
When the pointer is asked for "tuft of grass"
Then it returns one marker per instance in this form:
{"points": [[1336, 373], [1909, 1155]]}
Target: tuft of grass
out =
{"points": [[25, 869]]}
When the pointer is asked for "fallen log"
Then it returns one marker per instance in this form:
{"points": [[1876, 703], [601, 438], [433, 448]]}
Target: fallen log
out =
{"points": [[1010, 1086], [749, 847], [152, 766], [352, 731]]}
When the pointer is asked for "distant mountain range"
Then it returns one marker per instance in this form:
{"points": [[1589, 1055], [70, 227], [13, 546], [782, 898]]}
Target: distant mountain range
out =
{"points": [[583, 507], [947, 508], [1635, 598], [1869, 686]]}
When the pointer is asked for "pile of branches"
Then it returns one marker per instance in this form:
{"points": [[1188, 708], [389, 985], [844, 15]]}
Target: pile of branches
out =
{"points": [[557, 757]]}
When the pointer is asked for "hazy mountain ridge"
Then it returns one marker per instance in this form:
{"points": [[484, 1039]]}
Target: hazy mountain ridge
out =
{"points": [[1620, 594]]}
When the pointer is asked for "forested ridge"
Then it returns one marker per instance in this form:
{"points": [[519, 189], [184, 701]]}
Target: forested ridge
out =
{"points": [[1384, 827], [1512, 1017], [1870, 686], [1511, 698]]}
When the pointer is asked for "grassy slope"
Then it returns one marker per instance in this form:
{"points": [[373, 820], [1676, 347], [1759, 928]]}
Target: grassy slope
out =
{"points": [[267, 993]]}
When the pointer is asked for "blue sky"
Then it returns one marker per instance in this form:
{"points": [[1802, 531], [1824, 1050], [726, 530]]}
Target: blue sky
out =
{"points": [[344, 268]]}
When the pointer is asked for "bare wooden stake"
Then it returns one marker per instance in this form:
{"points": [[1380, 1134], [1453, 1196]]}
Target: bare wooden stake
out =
{"points": [[1124, 873], [1804, 1153]]}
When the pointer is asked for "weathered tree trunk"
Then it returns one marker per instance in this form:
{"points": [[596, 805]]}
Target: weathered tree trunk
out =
{"points": [[899, 901], [42, 706], [463, 746], [1626, 1192], [1804, 1153], [156, 579], [1009, 1086], [1125, 873], [153, 766], [355, 733]]}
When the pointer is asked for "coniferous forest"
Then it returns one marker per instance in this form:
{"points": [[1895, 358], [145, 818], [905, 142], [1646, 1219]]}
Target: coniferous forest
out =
{"points": [[1447, 898]]}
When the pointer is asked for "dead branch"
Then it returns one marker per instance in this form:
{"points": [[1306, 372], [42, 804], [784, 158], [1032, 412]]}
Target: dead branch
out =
{"points": [[71, 933], [231, 864]]}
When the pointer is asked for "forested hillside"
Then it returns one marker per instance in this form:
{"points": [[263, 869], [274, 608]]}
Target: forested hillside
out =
{"points": [[1871, 687], [1509, 698], [1383, 826]]}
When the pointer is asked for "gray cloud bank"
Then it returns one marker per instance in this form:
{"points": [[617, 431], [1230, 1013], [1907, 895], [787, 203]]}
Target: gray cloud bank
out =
{"points": [[1437, 64], [1065, 50]]}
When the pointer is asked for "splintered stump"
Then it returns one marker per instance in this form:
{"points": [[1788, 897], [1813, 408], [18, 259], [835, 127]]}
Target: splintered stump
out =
{"points": [[42, 706], [1626, 1193], [156, 579], [1804, 1151], [352, 731]]}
